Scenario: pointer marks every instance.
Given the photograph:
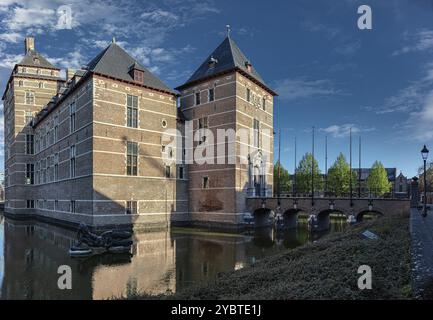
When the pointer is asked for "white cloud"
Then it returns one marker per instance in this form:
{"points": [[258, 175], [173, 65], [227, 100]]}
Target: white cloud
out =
{"points": [[301, 88], [330, 32], [9, 60], [419, 124], [420, 41], [11, 37], [22, 18], [142, 28], [73, 60], [349, 47], [340, 131], [410, 98]]}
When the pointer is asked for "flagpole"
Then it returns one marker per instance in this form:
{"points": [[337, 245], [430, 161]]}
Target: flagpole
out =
{"points": [[350, 173], [326, 165], [359, 170]]}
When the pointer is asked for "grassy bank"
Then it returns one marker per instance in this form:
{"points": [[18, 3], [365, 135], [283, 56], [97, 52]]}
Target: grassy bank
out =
{"points": [[326, 269]]}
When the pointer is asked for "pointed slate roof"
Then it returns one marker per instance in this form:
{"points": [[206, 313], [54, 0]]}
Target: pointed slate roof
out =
{"points": [[35, 59], [115, 62], [228, 57]]}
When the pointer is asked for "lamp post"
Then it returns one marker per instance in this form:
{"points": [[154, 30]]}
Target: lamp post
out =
{"points": [[312, 172], [424, 153]]}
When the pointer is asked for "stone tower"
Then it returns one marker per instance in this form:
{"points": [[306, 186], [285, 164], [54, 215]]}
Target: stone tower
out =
{"points": [[226, 92], [33, 82]]}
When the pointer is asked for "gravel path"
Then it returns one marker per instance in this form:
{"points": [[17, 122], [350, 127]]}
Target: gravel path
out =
{"points": [[421, 230]]}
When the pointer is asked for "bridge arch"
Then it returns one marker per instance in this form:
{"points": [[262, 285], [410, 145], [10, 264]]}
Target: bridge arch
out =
{"points": [[290, 217], [374, 211], [262, 217], [324, 219]]}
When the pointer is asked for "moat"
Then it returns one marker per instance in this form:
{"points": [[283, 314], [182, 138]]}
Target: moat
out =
{"points": [[164, 261]]}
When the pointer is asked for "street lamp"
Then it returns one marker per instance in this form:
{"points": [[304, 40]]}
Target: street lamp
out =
{"points": [[424, 153]]}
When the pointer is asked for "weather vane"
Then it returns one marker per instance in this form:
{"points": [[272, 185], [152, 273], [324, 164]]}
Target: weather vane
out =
{"points": [[228, 30]]}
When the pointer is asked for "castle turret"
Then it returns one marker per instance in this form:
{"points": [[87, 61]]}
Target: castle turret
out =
{"points": [[227, 92]]}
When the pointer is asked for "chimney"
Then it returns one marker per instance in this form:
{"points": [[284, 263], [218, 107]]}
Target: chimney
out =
{"points": [[69, 74], [29, 44]]}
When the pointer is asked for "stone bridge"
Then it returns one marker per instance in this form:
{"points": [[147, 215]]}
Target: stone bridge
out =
{"points": [[262, 208]]}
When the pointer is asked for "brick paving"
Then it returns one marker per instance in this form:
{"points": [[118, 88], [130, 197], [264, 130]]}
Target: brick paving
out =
{"points": [[421, 230]]}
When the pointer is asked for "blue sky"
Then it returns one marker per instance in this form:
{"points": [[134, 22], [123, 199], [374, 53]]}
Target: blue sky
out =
{"points": [[329, 74]]}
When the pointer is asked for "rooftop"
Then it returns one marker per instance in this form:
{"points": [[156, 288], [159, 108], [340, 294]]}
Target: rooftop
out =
{"points": [[115, 62], [225, 58]]}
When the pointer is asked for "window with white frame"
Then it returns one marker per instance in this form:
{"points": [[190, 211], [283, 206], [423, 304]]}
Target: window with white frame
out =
{"points": [[28, 117], [132, 111], [56, 128], [131, 158], [202, 127], [30, 98], [131, 207], [72, 161], [30, 173], [211, 94], [72, 110], [30, 144], [197, 98], [56, 167]]}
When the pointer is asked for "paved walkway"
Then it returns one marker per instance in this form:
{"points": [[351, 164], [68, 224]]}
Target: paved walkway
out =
{"points": [[422, 251]]}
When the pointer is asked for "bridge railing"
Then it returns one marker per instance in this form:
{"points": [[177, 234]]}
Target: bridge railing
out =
{"points": [[330, 195]]}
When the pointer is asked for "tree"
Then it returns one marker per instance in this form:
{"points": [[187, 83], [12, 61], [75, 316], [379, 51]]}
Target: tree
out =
{"points": [[377, 181], [339, 177], [285, 179], [429, 177], [303, 175]]}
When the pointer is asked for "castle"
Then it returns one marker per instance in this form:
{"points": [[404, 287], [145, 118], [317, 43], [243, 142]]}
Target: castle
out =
{"points": [[93, 148]]}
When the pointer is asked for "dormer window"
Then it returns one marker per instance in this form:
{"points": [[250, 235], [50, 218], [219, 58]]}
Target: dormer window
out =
{"points": [[137, 73], [249, 66], [212, 62], [36, 60]]}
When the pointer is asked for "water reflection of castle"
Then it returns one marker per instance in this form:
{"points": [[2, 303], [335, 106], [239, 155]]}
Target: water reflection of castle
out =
{"points": [[162, 262]]}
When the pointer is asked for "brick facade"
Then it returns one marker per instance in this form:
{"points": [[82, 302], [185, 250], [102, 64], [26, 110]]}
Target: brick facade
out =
{"points": [[99, 149]]}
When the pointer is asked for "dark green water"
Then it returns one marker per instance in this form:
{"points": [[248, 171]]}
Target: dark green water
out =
{"points": [[31, 252]]}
